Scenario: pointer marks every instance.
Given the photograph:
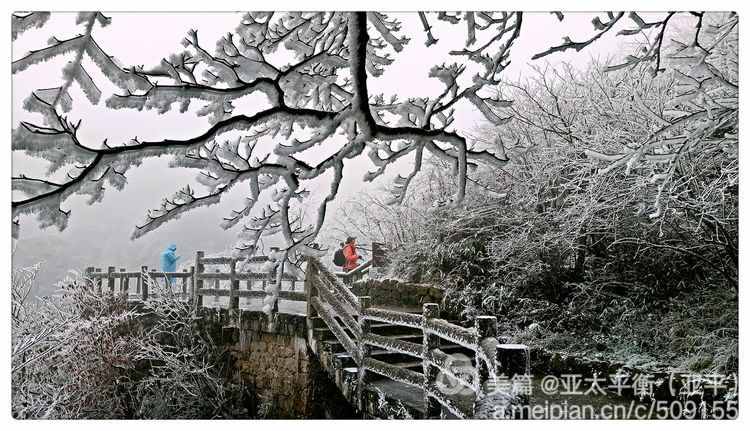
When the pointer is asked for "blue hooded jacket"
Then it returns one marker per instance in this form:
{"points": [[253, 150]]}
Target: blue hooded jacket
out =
{"points": [[169, 259]]}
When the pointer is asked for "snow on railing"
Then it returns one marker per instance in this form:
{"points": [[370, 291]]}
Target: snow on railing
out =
{"points": [[444, 362], [324, 276], [336, 329], [355, 274], [234, 277], [194, 283], [394, 345], [466, 337], [120, 282], [331, 299], [394, 372], [394, 317], [431, 390], [340, 309]]}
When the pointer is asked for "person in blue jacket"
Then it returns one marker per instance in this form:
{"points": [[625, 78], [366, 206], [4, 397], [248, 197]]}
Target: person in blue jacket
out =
{"points": [[169, 261]]}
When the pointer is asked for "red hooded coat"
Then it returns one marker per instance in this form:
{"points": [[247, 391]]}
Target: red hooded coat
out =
{"points": [[350, 253]]}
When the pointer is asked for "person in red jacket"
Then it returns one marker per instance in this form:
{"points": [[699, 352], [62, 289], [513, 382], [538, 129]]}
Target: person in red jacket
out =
{"points": [[350, 253]]}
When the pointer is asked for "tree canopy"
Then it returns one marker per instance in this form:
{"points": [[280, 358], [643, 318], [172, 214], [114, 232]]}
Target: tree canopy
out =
{"points": [[313, 68]]}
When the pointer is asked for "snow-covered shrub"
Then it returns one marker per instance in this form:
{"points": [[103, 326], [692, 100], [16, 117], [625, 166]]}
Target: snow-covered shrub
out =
{"points": [[183, 372], [71, 352], [79, 354]]}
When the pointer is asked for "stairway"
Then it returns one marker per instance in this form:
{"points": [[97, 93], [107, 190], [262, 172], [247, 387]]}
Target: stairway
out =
{"points": [[383, 397]]}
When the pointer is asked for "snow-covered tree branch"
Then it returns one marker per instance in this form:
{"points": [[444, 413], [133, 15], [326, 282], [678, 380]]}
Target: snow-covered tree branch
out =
{"points": [[312, 69]]}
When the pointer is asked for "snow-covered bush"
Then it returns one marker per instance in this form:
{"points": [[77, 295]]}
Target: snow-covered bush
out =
{"points": [[79, 354], [71, 352], [183, 369]]}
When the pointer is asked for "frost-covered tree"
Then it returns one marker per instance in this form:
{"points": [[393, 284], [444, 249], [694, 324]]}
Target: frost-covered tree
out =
{"points": [[616, 218], [313, 69], [693, 111], [668, 141]]}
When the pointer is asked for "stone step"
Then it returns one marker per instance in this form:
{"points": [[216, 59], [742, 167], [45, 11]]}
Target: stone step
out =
{"points": [[395, 400], [323, 333], [346, 360], [333, 345], [393, 357], [400, 397], [411, 365], [316, 322], [336, 346], [391, 329]]}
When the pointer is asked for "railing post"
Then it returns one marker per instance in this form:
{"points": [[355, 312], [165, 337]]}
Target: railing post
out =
{"points": [[192, 282], [111, 279], [89, 274], [167, 281], [184, 283], [144, 283], [311, 291], [199, 268], [429, 342], [513, 361], [139, 283], [101, 281], [364, 352], [154, 275], [124, 284], [485, 356], [272, 280], [234, 286], [217, 286]]}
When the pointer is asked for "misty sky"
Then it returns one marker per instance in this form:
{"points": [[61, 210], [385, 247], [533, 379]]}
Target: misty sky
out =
{"points": [[100, 235]]}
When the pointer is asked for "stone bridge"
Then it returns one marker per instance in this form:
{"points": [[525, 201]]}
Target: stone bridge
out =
{"points": [[381, 344]]}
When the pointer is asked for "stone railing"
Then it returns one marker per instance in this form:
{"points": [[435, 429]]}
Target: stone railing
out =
{"points": [[251, 279], [136, 282], [348, 317], [355, 274], [197, 282], [348, 314]]}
